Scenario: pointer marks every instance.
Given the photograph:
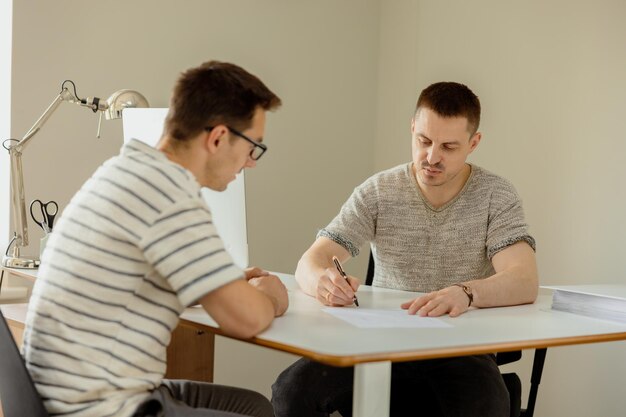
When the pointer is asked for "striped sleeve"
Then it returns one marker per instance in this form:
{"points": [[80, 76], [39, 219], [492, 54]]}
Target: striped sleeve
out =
{"points": [[183, 246]]}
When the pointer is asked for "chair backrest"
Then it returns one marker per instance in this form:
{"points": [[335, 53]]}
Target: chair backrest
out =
{"points": [[18, 394], [369, 278]]}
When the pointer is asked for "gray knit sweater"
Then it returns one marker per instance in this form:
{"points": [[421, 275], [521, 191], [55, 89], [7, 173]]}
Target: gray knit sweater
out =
{"points": [[418, 247]]}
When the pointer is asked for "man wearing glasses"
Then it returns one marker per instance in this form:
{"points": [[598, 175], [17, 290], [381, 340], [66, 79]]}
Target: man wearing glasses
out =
{"points": [[256, 152], [137, 245]]}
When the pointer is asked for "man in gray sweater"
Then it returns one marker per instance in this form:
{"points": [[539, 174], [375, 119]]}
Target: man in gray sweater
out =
{"points": [[437, 225]]}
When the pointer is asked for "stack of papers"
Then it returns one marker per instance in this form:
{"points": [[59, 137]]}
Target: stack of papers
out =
{"points": [[600, 301]]}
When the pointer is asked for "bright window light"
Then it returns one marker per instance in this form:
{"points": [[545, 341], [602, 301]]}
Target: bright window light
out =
{"points": [[6, 41]]}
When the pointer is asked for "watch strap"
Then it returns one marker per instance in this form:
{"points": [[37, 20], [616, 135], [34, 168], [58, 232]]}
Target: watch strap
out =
{"points": [[467, 290]]}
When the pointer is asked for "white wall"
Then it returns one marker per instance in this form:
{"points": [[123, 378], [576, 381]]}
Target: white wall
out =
{"points": [[550, 76]]}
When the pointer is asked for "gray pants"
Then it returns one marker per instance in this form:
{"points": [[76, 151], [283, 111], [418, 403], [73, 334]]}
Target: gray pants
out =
{"points": [[179, 398]]}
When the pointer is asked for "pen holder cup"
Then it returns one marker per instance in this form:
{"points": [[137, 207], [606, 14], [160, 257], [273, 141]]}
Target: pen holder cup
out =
{"points": [[42, 244]]}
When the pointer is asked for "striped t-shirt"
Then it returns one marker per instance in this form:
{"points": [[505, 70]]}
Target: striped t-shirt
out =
{"points": [[135, 246], [418, 247]]}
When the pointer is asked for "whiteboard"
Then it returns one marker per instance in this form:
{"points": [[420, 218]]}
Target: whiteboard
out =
{"points": [[228, 207]]}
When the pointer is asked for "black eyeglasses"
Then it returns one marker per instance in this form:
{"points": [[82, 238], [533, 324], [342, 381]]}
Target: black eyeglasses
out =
{"points": [[259, 148]]}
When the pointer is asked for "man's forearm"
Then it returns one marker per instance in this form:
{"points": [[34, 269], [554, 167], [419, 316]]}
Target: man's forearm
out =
{"points": [[318, 277], [512, 286], [307, 273], [515, 281]]}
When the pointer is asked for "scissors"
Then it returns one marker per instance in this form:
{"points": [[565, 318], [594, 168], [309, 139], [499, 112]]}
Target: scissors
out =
{"points": [[48, 211]]}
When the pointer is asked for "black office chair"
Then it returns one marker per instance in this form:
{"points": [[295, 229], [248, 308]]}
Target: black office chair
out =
{"points": [[514, 384], [18, 394], [511, 380]]}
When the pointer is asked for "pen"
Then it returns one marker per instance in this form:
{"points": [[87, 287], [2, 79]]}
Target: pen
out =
{"points": [[343, 274]]}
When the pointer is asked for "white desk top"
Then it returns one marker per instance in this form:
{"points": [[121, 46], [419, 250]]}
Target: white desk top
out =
{"points": [[307, 331]]}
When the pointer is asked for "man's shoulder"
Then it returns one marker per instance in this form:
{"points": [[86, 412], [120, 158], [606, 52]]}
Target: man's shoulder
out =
{"points": [[488, 178], [395, 174], [389, 181], [486, 181], [150, 168], [144, 182]]}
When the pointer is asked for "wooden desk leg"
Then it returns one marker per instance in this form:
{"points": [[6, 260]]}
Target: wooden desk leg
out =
{"points": [[190, 354], [372, 389]]}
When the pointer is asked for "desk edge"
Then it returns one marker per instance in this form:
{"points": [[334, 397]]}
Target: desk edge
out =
{"points": [[350, 360]]}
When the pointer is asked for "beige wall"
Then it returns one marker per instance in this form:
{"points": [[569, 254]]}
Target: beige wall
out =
{"points": [[319, 57], [550, 77]]}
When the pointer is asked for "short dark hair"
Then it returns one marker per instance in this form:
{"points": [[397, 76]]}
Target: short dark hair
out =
{"points": [[450, 99], [216, 93]]}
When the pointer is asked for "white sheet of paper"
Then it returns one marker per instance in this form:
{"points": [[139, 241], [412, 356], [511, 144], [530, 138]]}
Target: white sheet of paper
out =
{"points": [[376, 318]]}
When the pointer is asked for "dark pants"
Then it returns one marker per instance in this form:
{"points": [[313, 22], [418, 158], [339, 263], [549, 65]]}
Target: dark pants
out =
{"points": [[200, 399], [466, 386]]}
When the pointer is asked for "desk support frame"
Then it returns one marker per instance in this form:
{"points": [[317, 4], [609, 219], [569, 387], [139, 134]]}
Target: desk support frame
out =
{"points": [[372, 389]]}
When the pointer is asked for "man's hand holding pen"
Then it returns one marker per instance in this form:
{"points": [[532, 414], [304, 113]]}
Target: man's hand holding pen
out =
{"points": [[335, 289]]}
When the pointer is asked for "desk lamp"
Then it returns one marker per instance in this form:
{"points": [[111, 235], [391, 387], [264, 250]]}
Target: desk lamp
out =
{"points": [[112, 109]]}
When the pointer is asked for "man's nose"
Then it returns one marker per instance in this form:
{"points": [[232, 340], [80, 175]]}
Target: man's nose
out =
{"points": [[434, 156]]}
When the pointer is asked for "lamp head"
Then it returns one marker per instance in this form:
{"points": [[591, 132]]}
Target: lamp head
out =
{"points": [[122, 99]]}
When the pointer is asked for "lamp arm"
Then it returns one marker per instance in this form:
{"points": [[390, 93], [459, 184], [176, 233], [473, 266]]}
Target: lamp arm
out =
{"points": [[112, 109], [18, 200], [17, 174], [64, 95]]}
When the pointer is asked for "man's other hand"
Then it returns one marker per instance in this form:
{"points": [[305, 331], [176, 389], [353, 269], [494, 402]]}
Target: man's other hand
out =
{"points": [[449, 300], [271, 286]]}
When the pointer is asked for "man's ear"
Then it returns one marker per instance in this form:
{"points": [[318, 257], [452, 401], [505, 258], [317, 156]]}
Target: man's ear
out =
{"points": [[475, 140], [214, 139]]}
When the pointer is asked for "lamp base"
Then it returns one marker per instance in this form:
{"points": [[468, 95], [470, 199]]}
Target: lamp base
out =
{"points": [[20, 263]]}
